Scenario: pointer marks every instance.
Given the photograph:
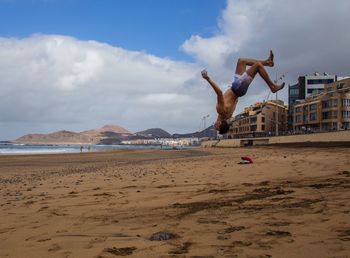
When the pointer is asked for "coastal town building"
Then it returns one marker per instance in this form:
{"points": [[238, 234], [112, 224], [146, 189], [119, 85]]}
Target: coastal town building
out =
{"points": [[328, 110], [262, 119], [307, 85], [173, 142]]}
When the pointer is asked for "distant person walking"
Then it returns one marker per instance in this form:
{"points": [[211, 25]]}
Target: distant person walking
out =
{"points": [[226, 102]]}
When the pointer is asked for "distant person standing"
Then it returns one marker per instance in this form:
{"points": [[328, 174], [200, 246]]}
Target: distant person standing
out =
{"points": [[81, 148]]}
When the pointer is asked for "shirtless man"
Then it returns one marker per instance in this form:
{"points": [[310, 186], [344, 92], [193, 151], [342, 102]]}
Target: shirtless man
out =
{"points": [[226, 102]]}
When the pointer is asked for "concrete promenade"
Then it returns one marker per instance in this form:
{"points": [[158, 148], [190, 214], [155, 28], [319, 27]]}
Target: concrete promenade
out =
{"points": [[338, 137]]}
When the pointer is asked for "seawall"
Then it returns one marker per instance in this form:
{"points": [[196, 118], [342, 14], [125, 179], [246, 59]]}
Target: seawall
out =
{"points": [[341, 138]]}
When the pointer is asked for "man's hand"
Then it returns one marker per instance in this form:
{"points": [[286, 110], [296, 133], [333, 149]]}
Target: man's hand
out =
{"points": [[205, 75]]}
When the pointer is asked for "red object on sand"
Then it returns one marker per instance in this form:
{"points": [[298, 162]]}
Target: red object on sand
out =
{"points": [[247, 159]]}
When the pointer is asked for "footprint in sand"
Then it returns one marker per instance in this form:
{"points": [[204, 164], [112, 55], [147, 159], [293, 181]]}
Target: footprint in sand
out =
{"points": [[182, 249], [223, 237], [96, 240], [278, 233], [54, 248], [120, 251], [239, 243]]}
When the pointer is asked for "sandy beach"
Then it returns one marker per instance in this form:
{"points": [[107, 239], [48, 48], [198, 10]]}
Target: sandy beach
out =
{"points": [[291, 202]]}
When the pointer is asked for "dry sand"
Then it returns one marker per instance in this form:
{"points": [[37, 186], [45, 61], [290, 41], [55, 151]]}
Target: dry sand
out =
{"points": [[292, 202]]}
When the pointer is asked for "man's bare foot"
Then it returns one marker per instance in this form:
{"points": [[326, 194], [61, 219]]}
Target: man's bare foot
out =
{"points": [[270, 61], [278, 87]]}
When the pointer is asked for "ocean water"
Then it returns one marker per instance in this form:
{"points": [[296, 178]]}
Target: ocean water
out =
{"points": [[21, 149]]}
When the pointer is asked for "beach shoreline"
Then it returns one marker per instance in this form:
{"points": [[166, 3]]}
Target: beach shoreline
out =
{"points": [[291, 202]]}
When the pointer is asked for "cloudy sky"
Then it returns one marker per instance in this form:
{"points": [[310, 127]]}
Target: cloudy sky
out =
{"points": [[80, 64]]}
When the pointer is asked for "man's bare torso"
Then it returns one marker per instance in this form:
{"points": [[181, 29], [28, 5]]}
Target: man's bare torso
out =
{"points": [[226, 110]]}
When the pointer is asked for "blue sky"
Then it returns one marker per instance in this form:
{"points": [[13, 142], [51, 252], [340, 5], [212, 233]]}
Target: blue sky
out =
{"points": [[77, 65], [158, 27]]}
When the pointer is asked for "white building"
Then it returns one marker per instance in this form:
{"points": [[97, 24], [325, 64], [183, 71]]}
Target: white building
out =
{"points": [[307, 85], [314, 84]]}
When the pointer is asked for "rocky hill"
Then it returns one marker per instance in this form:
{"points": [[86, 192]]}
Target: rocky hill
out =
{"points": [[93, 136], [107, 128], [154, 133], [208, 132], [60, 137], [108, 134]]}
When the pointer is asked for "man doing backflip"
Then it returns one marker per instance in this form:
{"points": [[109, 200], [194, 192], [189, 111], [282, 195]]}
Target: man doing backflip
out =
{"points": [[226, 102]]}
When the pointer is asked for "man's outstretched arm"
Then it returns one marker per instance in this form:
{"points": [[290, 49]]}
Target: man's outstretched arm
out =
{"points": [[214, 86]]}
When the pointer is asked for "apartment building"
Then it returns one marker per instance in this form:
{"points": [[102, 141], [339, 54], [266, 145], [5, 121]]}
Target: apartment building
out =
{"points": [[261, 119], [307, 85], [329, 110]]}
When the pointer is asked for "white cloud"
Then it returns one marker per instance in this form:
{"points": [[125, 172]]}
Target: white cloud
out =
{"points": [[237, 24], [51, 79], [306, 36], [56, 82]]}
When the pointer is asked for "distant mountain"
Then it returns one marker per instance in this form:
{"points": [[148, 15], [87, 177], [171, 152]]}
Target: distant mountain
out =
{"points": [[154, 133], [107, 128], [93, 136], [55, 138], [108, 134], [208, 132]]}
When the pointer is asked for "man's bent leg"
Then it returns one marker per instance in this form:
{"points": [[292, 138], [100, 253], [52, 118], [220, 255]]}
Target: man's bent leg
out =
{"points": [[243, 62], [259, 68]]}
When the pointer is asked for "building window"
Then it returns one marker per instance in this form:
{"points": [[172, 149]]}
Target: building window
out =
{"points": [[263, 119], [311, 91], [313, 116], [345, 102], [315, 91], [313, 106], [329, 115], [294, 92], [329, 103], [345, 114], [253, 120], [326, 115], [298, 119], [325, 104], [253, 128], [334, 103], [297, 109], [319, 81], [262, 127]]}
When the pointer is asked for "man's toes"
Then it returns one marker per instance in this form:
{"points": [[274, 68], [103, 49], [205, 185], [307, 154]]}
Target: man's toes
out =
{"points": [[280, 87]]}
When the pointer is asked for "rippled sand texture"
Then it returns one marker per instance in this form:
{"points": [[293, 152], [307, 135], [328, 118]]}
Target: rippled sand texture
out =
{"points": [[292, 202]]}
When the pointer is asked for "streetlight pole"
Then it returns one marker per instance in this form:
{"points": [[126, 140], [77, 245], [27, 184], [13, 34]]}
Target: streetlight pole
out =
{"points": [[276, 114], [276, 120], [204, 118], [205, 121]]}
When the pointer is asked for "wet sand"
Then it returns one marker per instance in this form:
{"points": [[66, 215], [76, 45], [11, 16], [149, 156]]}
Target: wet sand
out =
{"points": [[292, 202]]}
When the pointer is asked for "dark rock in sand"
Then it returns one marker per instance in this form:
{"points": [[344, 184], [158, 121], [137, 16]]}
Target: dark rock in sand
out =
{"points": [[344, 235], [103, 194], [120, 251], [241, 243], [278, 233], [233, 229], [161, 236]]}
